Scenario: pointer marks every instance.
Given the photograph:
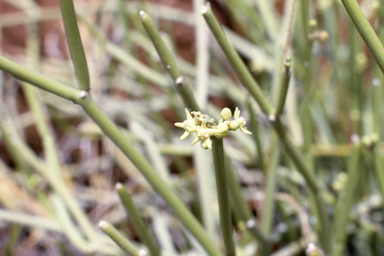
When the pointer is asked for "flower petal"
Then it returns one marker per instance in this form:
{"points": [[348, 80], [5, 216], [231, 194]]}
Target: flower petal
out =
{"points": [[195, 140], [184, 136], [244, 130], [188, 114], [236, 115], [180, 125], [208, 143]]}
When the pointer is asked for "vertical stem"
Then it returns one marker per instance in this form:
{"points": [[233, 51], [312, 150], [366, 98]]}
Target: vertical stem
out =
{"points": [[202, 55], [269, 200], [74, 43], [255, 134], [222, 193], [345, 201], [241, 205], [379, 169], [283, 86], [355, 84], [251, 85]]}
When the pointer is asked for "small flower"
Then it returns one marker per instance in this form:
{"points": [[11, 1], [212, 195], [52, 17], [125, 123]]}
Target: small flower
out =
{"points": [[222, 128], [205, 127], [189, 125], [204, 135], [239, 123]]}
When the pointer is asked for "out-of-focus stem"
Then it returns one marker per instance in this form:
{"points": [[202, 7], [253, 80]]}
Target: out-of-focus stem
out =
{"points": [[346, 200], [137, 220], [120, 239]]}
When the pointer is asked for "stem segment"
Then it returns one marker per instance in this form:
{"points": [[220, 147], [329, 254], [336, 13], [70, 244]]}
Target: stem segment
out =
{"points": [[345, 202], [168, 62], [74, 43], [366, 31], [251, 85], [120, 239], [137, 220], [222, 194], [113, 132]]}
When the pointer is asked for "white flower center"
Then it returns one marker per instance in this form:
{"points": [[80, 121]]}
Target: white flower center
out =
{"points": [[189, 124], [241, 121], [203, 133]]}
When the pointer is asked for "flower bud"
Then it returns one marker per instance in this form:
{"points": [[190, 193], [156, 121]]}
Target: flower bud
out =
{"points": [[226, 113]]}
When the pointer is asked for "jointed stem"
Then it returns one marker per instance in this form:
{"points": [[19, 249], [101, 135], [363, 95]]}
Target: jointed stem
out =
{"points": [[113, 132], [251, 85], [168, 62], [74, 43]]}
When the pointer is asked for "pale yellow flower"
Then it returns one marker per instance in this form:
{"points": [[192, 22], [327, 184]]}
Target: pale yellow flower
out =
{"points": [[205, 127], [189, 125], [238, 123]]}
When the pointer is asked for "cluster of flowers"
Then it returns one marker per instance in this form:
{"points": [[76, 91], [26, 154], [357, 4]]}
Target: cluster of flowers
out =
{"points": [[205, 127]]}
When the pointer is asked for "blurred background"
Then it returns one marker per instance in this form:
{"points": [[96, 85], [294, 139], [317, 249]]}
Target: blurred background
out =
{"points": [[133, 89]]}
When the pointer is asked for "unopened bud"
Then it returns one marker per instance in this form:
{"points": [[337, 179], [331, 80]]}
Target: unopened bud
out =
{"points": [[226, 113]]}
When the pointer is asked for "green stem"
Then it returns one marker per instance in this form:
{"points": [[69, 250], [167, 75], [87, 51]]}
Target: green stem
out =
{"points": [[30, 220], [13, 237], [114, 133], [120, 239], [283, 86], [39, 80], [256, 135], [379, 170], [346, 200], [202, 55], [68, 226], [308, 174], [236, 62], [223, 197], [241, 205], [366, 31], [378, 81], [269, 201], [13, 151], [74, 43], [174, 201], [168, 62], [137, 220], [355, 81], [57, 185], [254, 89]]}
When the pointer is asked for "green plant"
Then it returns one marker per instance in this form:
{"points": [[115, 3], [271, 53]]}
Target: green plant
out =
{"points": [[300, 127]]}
